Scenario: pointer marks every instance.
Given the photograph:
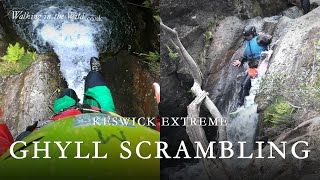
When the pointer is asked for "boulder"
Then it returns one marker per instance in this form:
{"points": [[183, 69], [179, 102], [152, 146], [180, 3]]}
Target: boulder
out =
{"points": [[27, 97], [293, 72], [290, 167], [316, 2], [293, 12]]}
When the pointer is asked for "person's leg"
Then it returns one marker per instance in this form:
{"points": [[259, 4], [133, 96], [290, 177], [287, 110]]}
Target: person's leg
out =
{"points": [[97, 93], [66, 99], [245, 90], [305, 5]]}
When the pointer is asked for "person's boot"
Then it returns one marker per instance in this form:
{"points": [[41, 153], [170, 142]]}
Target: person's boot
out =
{"points": [[95, 64]]}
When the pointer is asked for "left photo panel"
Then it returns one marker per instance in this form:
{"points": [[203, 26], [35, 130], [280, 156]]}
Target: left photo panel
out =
{"points": [[79, 89]]}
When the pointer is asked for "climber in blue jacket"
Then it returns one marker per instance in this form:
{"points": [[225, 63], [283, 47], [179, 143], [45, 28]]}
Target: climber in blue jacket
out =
{"points": [[252, 55]]}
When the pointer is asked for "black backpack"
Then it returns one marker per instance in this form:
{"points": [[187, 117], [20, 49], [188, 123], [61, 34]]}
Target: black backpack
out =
{"points": [[264, 39]]}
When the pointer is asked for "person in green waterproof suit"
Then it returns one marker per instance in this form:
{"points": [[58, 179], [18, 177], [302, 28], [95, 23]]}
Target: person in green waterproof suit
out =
{"points": [[72, 123], [97, 95]]}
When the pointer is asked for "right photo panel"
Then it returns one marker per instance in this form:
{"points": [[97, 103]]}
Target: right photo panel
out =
{"points": [[240, 89]]}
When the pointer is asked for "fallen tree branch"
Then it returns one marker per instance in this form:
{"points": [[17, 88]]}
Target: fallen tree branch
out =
{"points": [[196, 133], [215, 168], [197, 75]]}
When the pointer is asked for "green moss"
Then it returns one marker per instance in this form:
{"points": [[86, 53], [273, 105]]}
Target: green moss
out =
{"points": [[317, 86], [8, 68], [208, 37], [211, 24], [278, 113], [155, 68]]}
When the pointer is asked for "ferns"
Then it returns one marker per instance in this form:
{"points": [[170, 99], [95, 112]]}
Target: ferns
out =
{"points": [[16, 60], [16, 53]]}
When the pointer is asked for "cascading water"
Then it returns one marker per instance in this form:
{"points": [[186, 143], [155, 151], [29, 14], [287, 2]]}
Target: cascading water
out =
{"points": [[242, 127], [75, 30], [73, 42]]}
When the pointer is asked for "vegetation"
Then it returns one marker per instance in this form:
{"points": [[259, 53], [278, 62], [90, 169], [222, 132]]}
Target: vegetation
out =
{"points": [[278, 113], [157, 17], [16, 60], [171, 54], [208, 37], [147, 33], [152, 59], [151, 56]]}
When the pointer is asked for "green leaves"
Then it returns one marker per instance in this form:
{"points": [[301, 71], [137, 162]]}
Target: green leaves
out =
{"points": [[157, 17], [171, 54], [16, 53], [147, 3], [151, 56], [16, 60], [29, 56]]}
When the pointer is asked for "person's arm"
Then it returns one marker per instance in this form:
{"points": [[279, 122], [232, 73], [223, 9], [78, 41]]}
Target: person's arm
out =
{"points": [[239, 62], [243, 60], [156, 87]]}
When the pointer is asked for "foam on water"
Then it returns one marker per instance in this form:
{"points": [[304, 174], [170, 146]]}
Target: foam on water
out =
{"points": [[73, 41], [243, 127]]}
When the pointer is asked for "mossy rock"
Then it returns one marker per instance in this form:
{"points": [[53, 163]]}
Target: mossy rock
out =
{"points": [[278, 113]]}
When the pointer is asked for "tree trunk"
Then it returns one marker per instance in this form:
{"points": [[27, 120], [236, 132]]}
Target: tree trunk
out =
{"points": [[213, 168]]}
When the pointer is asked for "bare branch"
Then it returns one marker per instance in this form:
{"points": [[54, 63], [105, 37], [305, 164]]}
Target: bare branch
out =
{"points": [[196, 133], [214, 169], [196, 90], [195, 71], [196, 74]]}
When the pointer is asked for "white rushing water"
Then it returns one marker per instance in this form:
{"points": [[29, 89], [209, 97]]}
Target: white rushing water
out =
{"points": [[73, 41], [243, 126]]}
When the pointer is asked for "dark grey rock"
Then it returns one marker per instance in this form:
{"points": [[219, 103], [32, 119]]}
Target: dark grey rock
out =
{"points": [[130, 83]]}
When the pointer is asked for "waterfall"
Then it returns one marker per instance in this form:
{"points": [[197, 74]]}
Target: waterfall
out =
{"points": [[243, 126], [75, 30], [73, 41]]}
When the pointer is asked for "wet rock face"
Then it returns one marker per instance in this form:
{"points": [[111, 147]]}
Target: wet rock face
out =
{"points": [[221, 77], [131, 85], [293, 12], [3, 42], [25, 98]]}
